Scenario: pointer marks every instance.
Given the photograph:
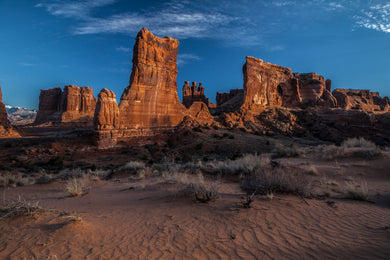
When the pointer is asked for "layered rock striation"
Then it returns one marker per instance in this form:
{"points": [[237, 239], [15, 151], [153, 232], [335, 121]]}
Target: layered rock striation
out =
{"points": [[74, 104], [151, 100]]}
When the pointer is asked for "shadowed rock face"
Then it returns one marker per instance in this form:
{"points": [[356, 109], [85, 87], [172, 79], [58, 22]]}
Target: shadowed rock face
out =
{"points": [[151, 100], [74, 104], [6, 130], [361, 100], [49, 105]]}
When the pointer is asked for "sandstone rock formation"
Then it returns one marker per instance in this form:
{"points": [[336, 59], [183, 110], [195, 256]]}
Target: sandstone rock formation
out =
{"points": [[106, 118], [194, 93], [78, 104], [49, 106], [361, 100], [151, 100], [74, 104], [6, 130], [270, 85], [313, 90], [262, 85], [107, 111], [199, 112], [229, 102]]}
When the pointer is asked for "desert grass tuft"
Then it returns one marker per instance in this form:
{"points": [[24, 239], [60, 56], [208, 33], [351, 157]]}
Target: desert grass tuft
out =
{"points": [[134, 166], [20, 207], [203, 191], [276, 181], [77, 186], [12, 180], [356, 191], [358, 142]]}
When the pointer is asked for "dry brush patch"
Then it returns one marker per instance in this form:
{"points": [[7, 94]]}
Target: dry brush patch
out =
{"points": [[77, 186], [20, 207], [276, 181], [357, 190], [350, 148], [203, 191], [13, 180]]}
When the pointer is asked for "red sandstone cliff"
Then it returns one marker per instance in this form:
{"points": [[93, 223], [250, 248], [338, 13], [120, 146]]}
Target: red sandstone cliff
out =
{"points": [[361, 100], [151, 100], [74, 104], [270, 85], [6, 130]]}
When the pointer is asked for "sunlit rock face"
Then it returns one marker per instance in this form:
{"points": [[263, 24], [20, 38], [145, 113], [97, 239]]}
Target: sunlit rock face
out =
{"points": [[74, 104], [6, 130], [361, 100], [151, 100], [106, 119], [200, 113], [195, 93], [270, 85]]}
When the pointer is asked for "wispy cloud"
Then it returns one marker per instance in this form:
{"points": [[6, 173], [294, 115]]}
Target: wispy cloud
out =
{"points": [[376, 17], [163, 23], [185, 58], [73, 9], [240, 23], [27, 64], [123, 49]]}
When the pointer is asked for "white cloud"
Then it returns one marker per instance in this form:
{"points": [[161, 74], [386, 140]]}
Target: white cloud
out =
{"points": [[123, 49], [79, 9], [376, 17], [185, 58], [162, 23], [27, 64], [246, 23]]}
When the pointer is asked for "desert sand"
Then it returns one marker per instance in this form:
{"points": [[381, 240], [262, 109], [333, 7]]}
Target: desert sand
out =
{"points": [[147, 216]]}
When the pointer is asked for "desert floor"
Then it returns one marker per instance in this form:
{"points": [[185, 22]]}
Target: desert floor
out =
{"points": [[148, 214]]}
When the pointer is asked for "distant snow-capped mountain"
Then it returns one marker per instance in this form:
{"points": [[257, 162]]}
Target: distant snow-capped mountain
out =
{"points": [[20, 116]]}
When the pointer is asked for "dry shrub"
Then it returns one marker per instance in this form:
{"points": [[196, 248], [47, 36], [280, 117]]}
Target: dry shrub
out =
{"points": [[77, 186], [312, 170], [332, 152], [203, 191], [67, 174], [12, 180], [134, 166], [281, 151], [273, 181], [20, 207], [356, 191], [358, 142], [245, 165]]}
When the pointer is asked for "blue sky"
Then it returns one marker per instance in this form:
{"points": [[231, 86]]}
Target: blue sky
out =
{"points": [[51, 43]]}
